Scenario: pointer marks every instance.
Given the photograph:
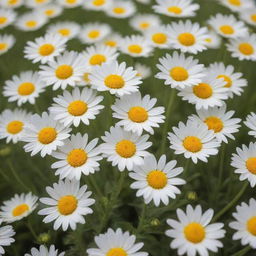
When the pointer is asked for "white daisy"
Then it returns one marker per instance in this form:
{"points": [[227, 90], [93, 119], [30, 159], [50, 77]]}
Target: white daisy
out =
{"points": [[44, 135], [138, 113], [6, 43], [228, 26], [213, 41], [210, 92], [112, 40], [193, 233], [76, 157], [18, 207], [70, 3], [91, 33], [179, 71], [157, 180], [113, 243], [245, 223], [238, 5], [251, 124], [245, 163], [7, 17], [243, 48], [11, 3], [136, 46], [218, 120], [194, 140], [249, 16], [76, 106], [36, 3], [115, 78], [45, 49], [121, 9], [50, 10], [176, 8], [187, 36], [66, 69], [6, 237], [66, 29], [234, 80], [97, 5], [143, 70], [124, 149], [24, 88], [67, 204], [12, 123], [43, 251]]}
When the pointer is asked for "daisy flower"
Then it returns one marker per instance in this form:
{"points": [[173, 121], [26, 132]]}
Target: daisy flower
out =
{"points": [[66, 69], [121, 9], [44, 135], [6, 237], [115, 78], [245, 163], [116, 243], [228, 26], [245, 223], [187, 36], [194, 140], [36, 3], [18, 207], [176, 8], [96, 55], [136, 46], [30, 21], [6, 43], [91, 33], [179, 71], [76, 157], [193, 233], [219, 121], [24, 88], [66, 29], [251, 124], [112, 40], [238, 5], [213, 41], [243, 48], [7, 17], [249, 16], [45, 49], [12, 123], [77, 106], [143, 70], [144, 22], [69, 3], [157, 180], [11, 3], [124, 149], [234, 80], [97, 5], [210, 92], [137, 113], [50, 10], [43, 251], [67, 205]]}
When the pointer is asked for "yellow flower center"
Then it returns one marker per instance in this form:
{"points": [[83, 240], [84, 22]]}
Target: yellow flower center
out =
{"points": [[94, 34], [157, 179], [67, 205], [253, 17], [179, 74], [31, 23], [227, 80], [26, 88], [116, 252], [159, 38], [47, 135], [144, 25], [97, 59], [64, 71], [3, 20], [119, 10], [71, 1], [251, 165], [138, 114], [14, 127], [77, 108], [64, 31], [192, 144], [20, 209], [12, 2], [203, 91], [40, 1], [46, 49], [174, 9], [98, 2], [125, 148], [49, 12], [194, 232], [246, 49], [110, 43], [251, 225], [235, 2], [3, 46], [227, 30], [187, 39], [135, 48], [114, 81], [214, 123], [86, 77], [77, 157]]}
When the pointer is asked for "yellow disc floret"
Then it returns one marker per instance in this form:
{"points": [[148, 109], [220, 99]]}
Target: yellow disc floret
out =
{"points": [[67, 205], [203, 90], [114, 81], [194, 232], [64, 71], [26, 89], [77, 157], [214, 123], [138, 114], [14, 127], [20, 209], [192, 144], [157, 179], [125, 148], [77, 108], [47, 135]]}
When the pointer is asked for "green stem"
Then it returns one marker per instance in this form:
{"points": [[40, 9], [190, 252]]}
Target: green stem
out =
{"points": [[243, 251], [141, 218], [30, 227], [95, 185], [221, 167]]}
